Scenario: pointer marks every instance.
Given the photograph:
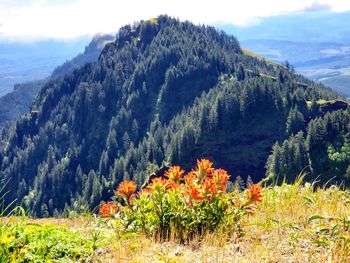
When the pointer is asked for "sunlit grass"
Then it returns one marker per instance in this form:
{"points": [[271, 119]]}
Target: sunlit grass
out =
{"points": [[324, 102], [294, 223], [259, 57]]}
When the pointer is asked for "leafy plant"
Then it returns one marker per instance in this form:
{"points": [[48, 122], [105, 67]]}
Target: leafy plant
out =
{"points": [[22, 241], [182, 206]]}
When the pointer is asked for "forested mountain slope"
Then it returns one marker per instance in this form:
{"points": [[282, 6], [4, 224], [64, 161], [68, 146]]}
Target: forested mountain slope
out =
{"points": [[21, 98], [165, 92], [18, 101], [322, 151], [90, 54]]}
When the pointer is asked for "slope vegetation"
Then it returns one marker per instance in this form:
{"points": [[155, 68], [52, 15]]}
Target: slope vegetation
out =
{"points": [[18, 102], [164, 92]]}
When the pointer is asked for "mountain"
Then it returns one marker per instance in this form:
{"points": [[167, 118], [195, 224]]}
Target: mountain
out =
{"points": [[91, 54], [164, 92], [21, 98], [323, 150], [313, 41], [328, 62], [316, 26], [18, 101], [22, 62], [300, 54]]}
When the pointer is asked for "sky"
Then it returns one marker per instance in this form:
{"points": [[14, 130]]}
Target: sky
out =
{"points": [[31, 20]]}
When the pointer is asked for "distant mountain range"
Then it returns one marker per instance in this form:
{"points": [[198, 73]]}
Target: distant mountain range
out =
{"points": [[21, 62], [18, 101], [328, 63], [316, 43], [91, 54], [316, 26]]}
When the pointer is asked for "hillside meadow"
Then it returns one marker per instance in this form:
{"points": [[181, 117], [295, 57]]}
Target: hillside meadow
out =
{"points": [[293, 223]]}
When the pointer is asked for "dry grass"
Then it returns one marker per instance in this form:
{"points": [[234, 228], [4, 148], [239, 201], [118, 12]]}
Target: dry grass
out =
{"points": [[288, 227], [259, 57], [293, 224]]}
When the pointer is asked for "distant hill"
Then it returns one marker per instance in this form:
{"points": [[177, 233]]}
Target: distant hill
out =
{"points": [[21, 98], [18, 101], [328, 63], [91, 53], [314, 42], [166, 92], [22, 62], [309, 26]]}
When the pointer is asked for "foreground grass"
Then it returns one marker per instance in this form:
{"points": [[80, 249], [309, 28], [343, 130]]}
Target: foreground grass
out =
{"points": [[293, 224]]}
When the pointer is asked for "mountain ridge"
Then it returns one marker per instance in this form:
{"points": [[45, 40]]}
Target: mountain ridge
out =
{"points": [[21, 98]]}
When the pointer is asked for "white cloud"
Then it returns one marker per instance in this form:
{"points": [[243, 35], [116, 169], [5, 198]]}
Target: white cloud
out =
{"points": [[36, 19]]}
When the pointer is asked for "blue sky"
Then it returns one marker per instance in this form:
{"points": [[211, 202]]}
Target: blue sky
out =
{"points": [[63, 19]]}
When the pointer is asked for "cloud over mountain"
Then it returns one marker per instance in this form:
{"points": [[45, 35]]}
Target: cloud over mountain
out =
{"points": [[37, 19]]}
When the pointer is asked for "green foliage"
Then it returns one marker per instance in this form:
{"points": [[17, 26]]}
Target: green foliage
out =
{"points": [[25, 242], [295, 121], [22, 241], [161, 93], [323, 151], [183, 207], [18, 101]]}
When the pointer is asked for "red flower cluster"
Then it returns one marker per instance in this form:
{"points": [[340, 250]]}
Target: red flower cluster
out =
{"points": [[204, 168], [126, 189], [220, 178], [255, 194], [191, 178], [200, 194], [108, 209], [158, 184], [174, 173], [195, 193], [204, 182]]}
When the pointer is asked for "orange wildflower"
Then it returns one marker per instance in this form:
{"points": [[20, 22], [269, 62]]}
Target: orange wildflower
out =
{"points": [[194, 193], [220, 178], [126, 188], [191, 178], [255, 193], [108, 210], [204, 168], [209, 189], [171, 185], [174, 173], [158, 184], [188, 202]]}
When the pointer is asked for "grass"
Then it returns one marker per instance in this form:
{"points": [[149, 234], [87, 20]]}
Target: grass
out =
{"points": [[294, 223], [250, 53], [319, 102], [153, 21], [324, 103]]}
